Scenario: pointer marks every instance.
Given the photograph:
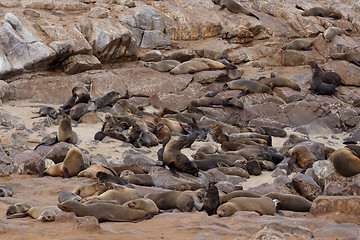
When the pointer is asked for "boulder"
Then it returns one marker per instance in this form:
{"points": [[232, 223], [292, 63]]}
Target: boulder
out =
{"points": [[29, 162], [80, 63], [349, 73], [132, 158], [306, 186], [334, 204], [297, 57]]}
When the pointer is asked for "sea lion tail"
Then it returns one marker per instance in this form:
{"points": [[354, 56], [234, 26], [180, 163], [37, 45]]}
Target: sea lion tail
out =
{"points": [[253, 15]]}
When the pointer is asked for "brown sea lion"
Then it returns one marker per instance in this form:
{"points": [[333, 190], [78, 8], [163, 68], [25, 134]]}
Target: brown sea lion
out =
{"points": [[321, 12], [237, 171], [345, 162], [330, 77], [140, 179], [162, 132], [91, 171], [189, 67], [173, 199], [175, 160], [108, 99], [110, 124], [6, 191], [247, 86], [239, 193], [206, 102], [119, 194], [46, 111], [211, 63], [17, 208], [302, 156], [211, 199], [104, 211], [234, 7], [162, 66], [352, 57], [280, 82], [173, 125], [65, 132], [73, 163], [298, 44], [68, 104], [81, 95], [87, 190], [145, 204], [218, 134], [290, 202], [331, 32], [262, 205], [134, 169], [105, 177], [208, 148], [66, 196], [100, 135], [317, 86]]}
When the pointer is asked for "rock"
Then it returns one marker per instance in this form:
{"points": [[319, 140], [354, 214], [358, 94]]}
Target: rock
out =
{"points": [[138, 160], [251, 54], [270, 187], [6, 91], [38, 4], [306, 186], [347, 117], [339, 44], [224, 186], [63, 216], [289, 95], [99, 12], [293, 230], [211, 48], [349, 73], [29, 162], [298, 57], [72, 6], [208, 77], [80, 63], [78, 110], [155, 40], [206, 236], [7, 170], [181, 55], [58, 151], [342, 188], [4, 158], [87, 223], [321, 170], [338, 231], [90, 118], [164, 179], [334, 204], [266, 233], [316, 148]]}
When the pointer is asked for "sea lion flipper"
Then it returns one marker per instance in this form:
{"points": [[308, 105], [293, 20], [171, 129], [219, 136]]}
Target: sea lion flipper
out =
{"points": [[243, 93], [37, 116], [356, 63], [291, 162], [20, 215], [307, 49], [222, 8], [66, 173], [198, 206]]}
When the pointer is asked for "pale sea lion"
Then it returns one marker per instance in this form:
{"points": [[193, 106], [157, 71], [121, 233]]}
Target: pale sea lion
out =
{"points": [[298, 44], [317, 86], [239, 193], [145, 204], [6, 191], [236, 171], [65, 132], [87, 190], [247, 86], [172, 199], [66, 196], [162, 66], [189, 67], [302, 156], [104, 211], [211, 63], [234, 7], [280, 82], [73, 163], [91, 171], [352, 57], [119, 194], [17, 208], [331, 32], [290, 202], [43, 213], [345, 162], [321, 12], [262, 205]]}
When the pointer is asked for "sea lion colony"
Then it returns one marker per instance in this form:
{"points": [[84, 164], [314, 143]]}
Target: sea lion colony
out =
{"points": [[240, 149]]}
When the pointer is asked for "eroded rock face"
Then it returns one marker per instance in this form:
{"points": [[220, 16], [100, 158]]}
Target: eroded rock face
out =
{"points": [[29, 162], [306, 186], [331, 204]]}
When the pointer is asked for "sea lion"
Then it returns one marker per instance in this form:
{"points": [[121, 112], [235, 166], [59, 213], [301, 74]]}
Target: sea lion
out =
{"points": [[236, 171], [290, 202], [108, 99], [110, 124], [6, 191], [87, 190], [345, 162], [105, 177], [321, 12], [189, 67], [259, 141], [176, 160], [81, 95], [172, 199], [162, 66], [247, 86], [120, 194], [100, 135], [43, 213], [262, 205], [65, 132], [211, 199], [162, 132], [233, 7], [91, 171], [73, 163], [274, 131], [218, 134], [104, 211], [331, 32], [46, 111], [317, 86], [298, 44], [68, 104], [134, 169], [17, 208], [239, 193], [65, 196], [173, 125], [352, 57], [211, 162], [208, 148], [280, 82], [206, 102], [253, 167], [302, 156], [211, 63], [139, 179], [145, 204], [330, 77]]}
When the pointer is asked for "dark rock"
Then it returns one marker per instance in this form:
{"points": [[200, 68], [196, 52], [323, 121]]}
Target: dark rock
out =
{"points": [[29, 162], [306, 186]]}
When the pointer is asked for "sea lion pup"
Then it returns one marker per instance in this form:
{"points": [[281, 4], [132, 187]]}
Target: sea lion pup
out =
{"points": [[345, 162], [172, 199], [239, 193], [108, 99], [233, 7], [317, 86], [290, 202], [211, 199], [120, 194], [295, 139], [100, 135], [218, 134], [321, 12], [298, 44], [81, 95], [66, 196], [262, 205], [189, 67], [104, 177], [139, 179], [175, 160], [91, 171], [208, 148], [162, 66], [162, 132], [331, 32], [236, 171], [247, 86], [173, 125], [43, 213], [46, 111], [302, 156], [104, 211], [110, 124], [65, 132], [352, 57], [280, 82], [211, 63], [17, 208], [145, 204], [6, 191], [87, 190], [68, 104]]}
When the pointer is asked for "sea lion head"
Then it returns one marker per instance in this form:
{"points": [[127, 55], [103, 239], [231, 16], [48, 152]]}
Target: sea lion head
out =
{"points": [[11, 210], [47, 216], [69, 206], [226, 209], [191, 168]]}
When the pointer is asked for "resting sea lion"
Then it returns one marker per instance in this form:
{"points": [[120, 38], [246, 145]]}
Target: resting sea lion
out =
{"points": [[139, 179], [145, 204], [247, 86], [234, 7], [65, 132], [173, 199], [331, 32], [280, 82], [73, 163], [68, 104], [104, 211], [120, 194], [6, 191], [211, 63], [106, 177], [45, 214], [290, 202], [87, 190], [345, 162], [189, 67], [17, 208], [302, 156], [322, 12], [317, 86], [46, 111], [162, 66], [65, 196], [237, 171], [352, 57], [298, 44], [91, 171], [239, 193], [107, 100], [262, 205], [81, 95]]}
